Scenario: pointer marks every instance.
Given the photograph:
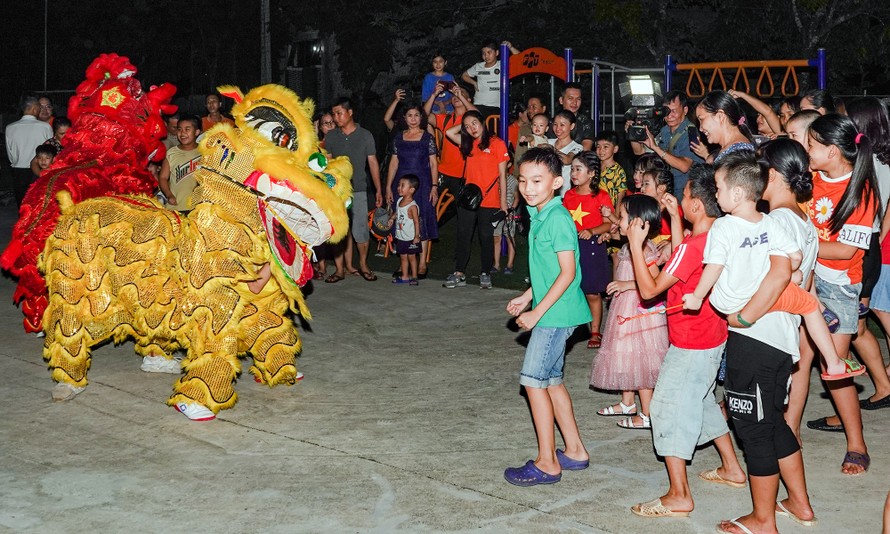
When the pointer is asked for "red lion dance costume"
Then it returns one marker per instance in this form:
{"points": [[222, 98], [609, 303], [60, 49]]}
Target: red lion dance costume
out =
{"points": [[116, 128]]}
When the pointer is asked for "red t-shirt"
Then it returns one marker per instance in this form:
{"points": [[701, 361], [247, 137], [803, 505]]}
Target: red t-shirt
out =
{"points": [[687, 329], [451, 163], [856, 231], [666, 221], [482, 170], [585, 209]]}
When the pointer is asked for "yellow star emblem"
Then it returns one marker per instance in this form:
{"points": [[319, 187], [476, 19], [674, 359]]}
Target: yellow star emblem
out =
{"points": [[112, 97], [578, 215]]}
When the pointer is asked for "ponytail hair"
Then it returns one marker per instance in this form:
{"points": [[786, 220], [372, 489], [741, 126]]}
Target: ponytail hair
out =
{"points": [[466, 140], [840, 131], [870, 117], [791, 162], [589, 159], [721, 101]]}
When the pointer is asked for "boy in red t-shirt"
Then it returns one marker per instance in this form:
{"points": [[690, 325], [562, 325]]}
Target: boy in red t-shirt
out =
{"points": [[684, 411]]}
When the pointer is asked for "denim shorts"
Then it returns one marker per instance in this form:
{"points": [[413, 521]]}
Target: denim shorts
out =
{"points": [[843, 300], [684, 410], [880, 296], [545, 357]]}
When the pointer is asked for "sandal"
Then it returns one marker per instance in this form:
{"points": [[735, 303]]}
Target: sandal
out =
{"points": [[529, 475], [852, 368], [655, 509], [609, 411], [629, 423], [570, 464], [789, 514], [857, 458], [714, 476], [367, 275], [734, 522], [596, 339], [334, 278], [832, 320]]}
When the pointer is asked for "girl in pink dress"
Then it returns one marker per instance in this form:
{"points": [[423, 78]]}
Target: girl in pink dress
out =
{"points": [[632, 352]]}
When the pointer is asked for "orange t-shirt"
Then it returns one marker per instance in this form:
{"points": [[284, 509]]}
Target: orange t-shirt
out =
{"points": [[451, 163], [482, 170], [207, 122], [855, 232]]}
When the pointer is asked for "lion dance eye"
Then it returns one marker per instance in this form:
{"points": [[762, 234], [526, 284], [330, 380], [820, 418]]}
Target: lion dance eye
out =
{"points": [[274, 126]]}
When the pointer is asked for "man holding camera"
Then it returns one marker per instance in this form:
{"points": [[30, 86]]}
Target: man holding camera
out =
{"points": [[672, 142]]}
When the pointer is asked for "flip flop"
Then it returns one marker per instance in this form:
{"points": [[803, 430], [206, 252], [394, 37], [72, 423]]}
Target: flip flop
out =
{"points": [[570, 464], [736, 523], [596, 339], [822, 424], [529, 475], [857, 458], [334, 278], [367, 275], [655, 509], [868, 404], [852, 368], [714, 476], [354, 273], [789, 514]]}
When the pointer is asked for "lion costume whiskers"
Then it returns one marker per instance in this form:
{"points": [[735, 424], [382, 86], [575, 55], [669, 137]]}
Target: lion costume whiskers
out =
{"points": [[124, 267]]}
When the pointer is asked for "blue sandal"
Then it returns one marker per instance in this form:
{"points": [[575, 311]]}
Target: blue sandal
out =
{"points": [[832, 320], [570, 464], [529, 475]]}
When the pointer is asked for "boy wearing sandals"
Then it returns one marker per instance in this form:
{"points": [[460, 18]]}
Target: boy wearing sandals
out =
{"points": [[684, 411], [558, 307]]}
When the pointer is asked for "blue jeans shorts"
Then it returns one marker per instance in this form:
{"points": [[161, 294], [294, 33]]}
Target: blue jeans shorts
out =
{"points": [[684, 410], [545, 357], [843, 300]]}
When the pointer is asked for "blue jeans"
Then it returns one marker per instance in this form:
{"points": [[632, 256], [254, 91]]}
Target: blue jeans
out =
{"points": [[684, 410], [545, 357]]}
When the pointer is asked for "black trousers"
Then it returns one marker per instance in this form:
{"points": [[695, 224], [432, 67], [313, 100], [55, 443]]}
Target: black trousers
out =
{"points": [[21, 181], [468, 223]]}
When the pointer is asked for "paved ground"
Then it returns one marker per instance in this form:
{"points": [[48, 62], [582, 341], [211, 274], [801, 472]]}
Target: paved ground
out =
{"points": [[408, 415]]}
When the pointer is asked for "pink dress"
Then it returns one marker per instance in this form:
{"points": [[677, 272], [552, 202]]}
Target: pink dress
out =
{"points": [[631, 353]]}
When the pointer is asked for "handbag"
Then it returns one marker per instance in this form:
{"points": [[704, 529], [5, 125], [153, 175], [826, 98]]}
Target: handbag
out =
{"points": [[471, 195]]}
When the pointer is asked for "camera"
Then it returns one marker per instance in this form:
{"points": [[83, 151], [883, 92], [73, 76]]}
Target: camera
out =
{"points": [[651, 117]]}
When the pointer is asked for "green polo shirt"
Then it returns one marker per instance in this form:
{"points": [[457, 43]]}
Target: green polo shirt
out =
{"points": [[552, 230]]}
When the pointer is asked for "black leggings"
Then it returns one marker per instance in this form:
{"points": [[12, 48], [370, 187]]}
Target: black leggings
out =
{"points": [[480, 222], [756, 387]]}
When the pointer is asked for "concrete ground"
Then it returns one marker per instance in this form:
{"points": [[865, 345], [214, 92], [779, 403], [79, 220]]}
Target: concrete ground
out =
{"points": [[408, 415]]}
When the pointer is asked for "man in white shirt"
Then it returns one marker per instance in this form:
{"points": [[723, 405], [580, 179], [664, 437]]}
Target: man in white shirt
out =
{"points": [[22, 138]]}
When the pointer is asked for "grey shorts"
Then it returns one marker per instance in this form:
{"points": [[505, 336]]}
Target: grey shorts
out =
{"points": [[358, 215]]}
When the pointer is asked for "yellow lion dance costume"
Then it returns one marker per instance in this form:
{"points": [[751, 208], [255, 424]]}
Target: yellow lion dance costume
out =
{"points": [[123, 266]]}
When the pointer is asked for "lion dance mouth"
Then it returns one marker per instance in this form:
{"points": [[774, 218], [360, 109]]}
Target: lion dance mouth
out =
{"points": [[286, 214]]}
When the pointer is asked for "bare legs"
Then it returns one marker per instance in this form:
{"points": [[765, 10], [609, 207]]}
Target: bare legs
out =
{"points": [[548, 405]]}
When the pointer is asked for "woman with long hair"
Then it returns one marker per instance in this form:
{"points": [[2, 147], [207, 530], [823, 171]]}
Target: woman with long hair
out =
{"points": [[485, 166], [722, 121]]}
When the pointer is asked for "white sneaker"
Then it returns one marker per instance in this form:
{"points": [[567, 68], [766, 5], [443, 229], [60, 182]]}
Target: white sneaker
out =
{"points": [[485, 281], [65, 392], [195, 411], [160, 364]]}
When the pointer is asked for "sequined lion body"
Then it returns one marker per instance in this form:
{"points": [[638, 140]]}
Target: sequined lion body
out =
{"points": [[120, 267]]}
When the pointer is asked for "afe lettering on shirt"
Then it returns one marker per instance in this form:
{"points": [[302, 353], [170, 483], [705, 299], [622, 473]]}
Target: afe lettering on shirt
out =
{"points": [[762, 239]]}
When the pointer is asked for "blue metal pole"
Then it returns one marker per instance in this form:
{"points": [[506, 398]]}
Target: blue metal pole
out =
{"points": [[823, 68], [569, 56], [669, 67], [505, 92]]}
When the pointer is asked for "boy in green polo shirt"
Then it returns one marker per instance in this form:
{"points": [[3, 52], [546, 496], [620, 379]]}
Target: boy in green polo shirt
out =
{"points": [[558, 306]]}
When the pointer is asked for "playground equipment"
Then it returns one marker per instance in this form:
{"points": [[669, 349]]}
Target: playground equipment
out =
{"points": [[543, 61]]}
